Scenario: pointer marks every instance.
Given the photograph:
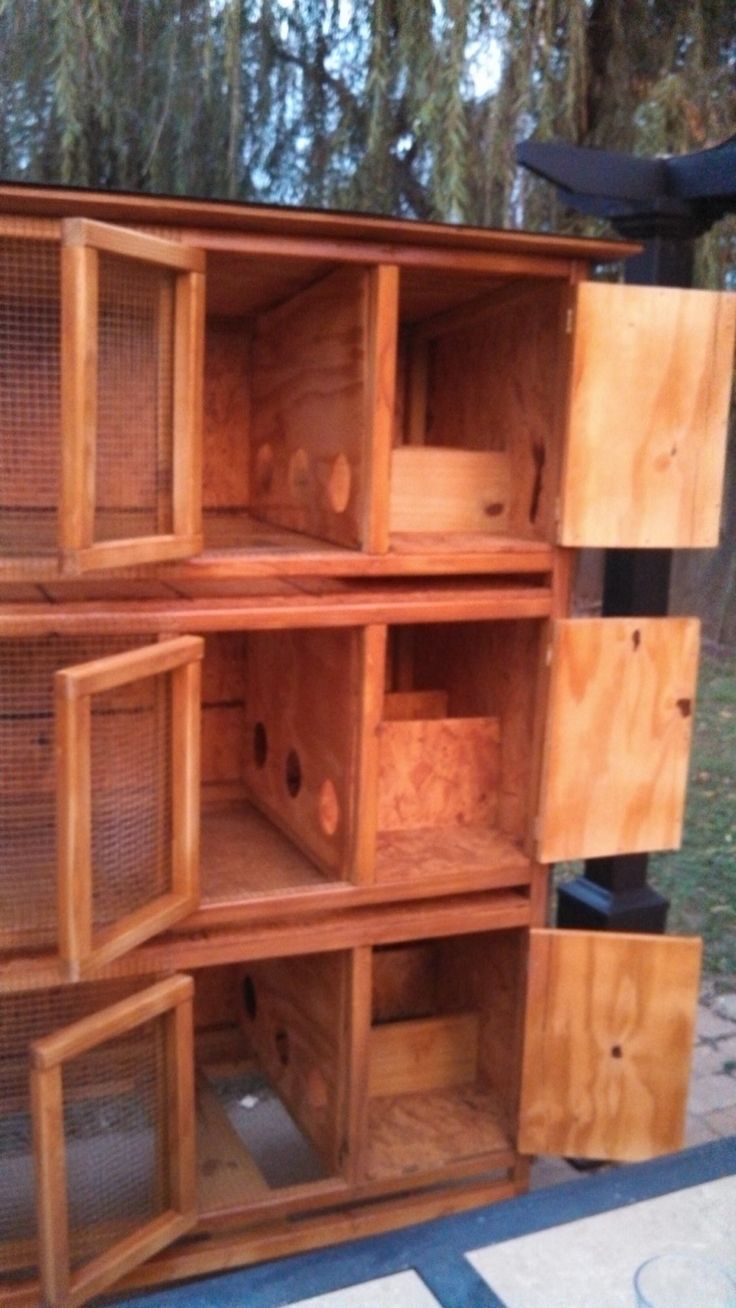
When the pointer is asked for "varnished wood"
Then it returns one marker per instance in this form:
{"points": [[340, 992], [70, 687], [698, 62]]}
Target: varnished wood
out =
{"points": [[423, 1054], [79, 303], [435, 489], [634, 742], [608, 1039], [47, 1110], [85, 233], [649, 417]]}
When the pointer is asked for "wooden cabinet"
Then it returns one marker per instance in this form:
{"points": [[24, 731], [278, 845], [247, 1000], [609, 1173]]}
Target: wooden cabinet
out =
{"points": [[282, 771]]}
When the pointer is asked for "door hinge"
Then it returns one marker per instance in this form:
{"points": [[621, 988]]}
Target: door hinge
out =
{"points": [[569, 319]]}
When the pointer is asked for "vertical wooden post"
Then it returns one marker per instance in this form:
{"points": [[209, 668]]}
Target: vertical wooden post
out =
{"points": [[79, 308]]}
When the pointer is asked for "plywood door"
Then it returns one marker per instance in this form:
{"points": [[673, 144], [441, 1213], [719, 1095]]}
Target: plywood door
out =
{"points": [[648, 416], [608, 1038], [127, 752], [137, 1054], [132, 344], [617, 743]]}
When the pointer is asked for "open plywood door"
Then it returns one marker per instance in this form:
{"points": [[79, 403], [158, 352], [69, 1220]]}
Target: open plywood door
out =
{"points": [[648, 416], [617, 741], [112, 1104], [132, 333], [127, 751], [610, 1022]]}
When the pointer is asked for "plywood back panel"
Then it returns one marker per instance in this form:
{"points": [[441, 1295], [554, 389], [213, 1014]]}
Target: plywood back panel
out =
{"points": [[309, 408], [226, 425], [648, 419], [404, 979], [618, 736], [438, 773], [609, 1033], [223, 712], [301, 728]]}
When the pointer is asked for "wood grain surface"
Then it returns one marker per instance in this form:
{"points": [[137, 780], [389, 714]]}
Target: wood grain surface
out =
{"points": [[619, 725]]}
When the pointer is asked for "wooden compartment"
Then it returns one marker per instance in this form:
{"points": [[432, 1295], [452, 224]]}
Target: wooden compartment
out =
{"points": [[593, 414], [456, 751], [478, 421], [98, 792], [96, 1142], [100, 332], [444, 1056], [294, 409], [280, 738], [271, 1082]]}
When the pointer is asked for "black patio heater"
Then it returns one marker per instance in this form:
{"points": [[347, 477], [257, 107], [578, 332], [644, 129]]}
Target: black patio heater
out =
{"points": [[666, 204]]}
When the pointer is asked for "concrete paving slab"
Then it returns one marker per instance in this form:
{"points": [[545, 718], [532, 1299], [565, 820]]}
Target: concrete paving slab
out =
{"points": [[404, 1290], [593, 1260]]}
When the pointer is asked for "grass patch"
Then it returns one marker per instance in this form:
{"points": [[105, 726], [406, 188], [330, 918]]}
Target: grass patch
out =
{"points": [[700, 878]]}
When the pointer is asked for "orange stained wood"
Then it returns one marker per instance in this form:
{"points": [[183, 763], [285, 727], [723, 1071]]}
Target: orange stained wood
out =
{"points": [[426, 1053], [438, 772], [617, 746], [435, 489], [608, 1039], [648, 419]]}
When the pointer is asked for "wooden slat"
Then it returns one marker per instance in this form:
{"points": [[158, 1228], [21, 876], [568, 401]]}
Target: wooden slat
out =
{"points": [[367, 754], [107, 1269], [619, 726], [100, 675], [383, 311], [79, 304], [129, 553], [49, 1158], [646, 442], [185, 776], [188, 403], [437, 489], [429, 1053], [179, 1100], [414, 705], [86, 233], [113, 1021], [74, 829], [608, 1039]]}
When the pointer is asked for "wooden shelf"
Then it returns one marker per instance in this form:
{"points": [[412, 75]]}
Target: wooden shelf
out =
{"points": [[454, 853], [411, 1134], [243, 855]]}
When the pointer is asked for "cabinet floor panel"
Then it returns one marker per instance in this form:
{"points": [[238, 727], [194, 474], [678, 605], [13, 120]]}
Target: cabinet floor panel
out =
{"points": [[410, 1134], [445, 853], [243, 854]]}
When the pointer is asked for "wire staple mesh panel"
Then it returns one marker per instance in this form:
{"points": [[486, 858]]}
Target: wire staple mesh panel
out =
{"points": [[28, 782], [25, 1018], [134, 399], [30, 379], [131, 797]]}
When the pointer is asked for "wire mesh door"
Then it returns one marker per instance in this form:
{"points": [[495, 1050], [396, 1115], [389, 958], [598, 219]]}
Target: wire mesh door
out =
{"points": [[101, 347], [127, 745], [131, 361], [112, 1106]]}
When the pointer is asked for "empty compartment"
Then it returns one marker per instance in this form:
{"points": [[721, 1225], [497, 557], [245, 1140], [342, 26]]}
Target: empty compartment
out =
{"points": [[280, 732], [270, 1079], [98, 409], [290, 407], [456, 751], [96, 799], [479, 392], [444, 1055], [112, 1151]]}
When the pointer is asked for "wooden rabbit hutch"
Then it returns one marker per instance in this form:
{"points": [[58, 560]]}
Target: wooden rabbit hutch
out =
{"points": [[294, 715]]}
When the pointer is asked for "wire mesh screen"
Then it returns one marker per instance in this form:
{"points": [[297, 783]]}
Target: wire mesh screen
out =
{"points": [[28, 782], [114, 1130], [131, 755], [30, 379], [134, 399], [23, 1019]]}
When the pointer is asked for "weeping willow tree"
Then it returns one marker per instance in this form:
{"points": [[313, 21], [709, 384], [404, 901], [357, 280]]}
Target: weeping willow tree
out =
{"points": [[407, 107]]}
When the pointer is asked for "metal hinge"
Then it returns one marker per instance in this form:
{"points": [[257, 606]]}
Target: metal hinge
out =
{"points": [[569, 319]]}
